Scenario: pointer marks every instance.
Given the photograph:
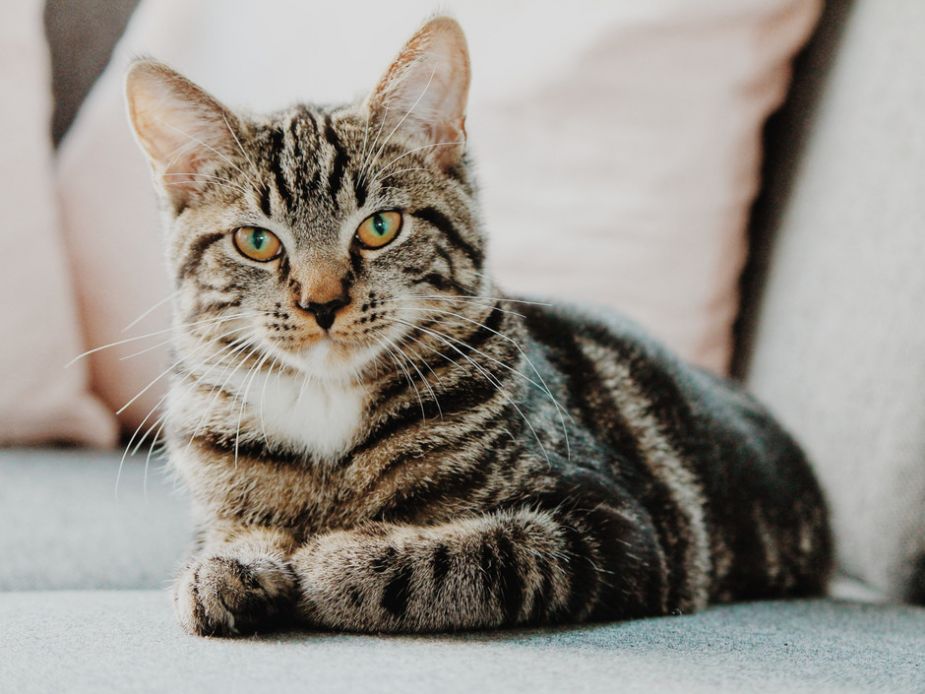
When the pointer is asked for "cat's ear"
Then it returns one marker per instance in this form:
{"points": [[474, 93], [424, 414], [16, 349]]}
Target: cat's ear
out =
{"points": [[182, 129], [425, 89]]}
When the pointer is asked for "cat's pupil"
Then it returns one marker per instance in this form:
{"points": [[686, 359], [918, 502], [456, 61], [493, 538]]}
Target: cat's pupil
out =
{"points": [[258, 239], [379, 224]]}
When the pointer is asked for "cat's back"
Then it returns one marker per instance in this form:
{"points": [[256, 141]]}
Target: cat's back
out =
{"points": [[736, 473], [603, 357]]}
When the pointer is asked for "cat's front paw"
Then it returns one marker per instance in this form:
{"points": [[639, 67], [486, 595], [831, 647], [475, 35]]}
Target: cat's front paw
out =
{"points": [[224, 596]]}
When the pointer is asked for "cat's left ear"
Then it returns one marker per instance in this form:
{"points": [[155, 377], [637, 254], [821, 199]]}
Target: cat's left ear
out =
{"points": [[181, 128], [424, 91]]}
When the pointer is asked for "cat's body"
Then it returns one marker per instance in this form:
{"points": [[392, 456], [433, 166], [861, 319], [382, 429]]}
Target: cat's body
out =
{"points": [[375, 439]]}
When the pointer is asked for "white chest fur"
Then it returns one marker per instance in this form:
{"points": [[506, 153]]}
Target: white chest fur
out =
{"points": [[319, 417]]}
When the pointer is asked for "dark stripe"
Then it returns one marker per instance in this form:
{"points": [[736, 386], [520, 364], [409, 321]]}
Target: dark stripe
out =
{"points": [[193, 255], [265, 200], [296, 139], [444, 284], [199, 608], [416, 503], [541, 610], [436, 218], [340, 160], [278, 144], [302, 162], [464, 396], [356, 261], [440, 564], [360, 191], [384, 561], [598, 413], [285, 267], [489, 328], [252, 450], [583, 577], [444, 355], [219, 305], [511, 590], [488, 569], [397, 591], [442, 252]]}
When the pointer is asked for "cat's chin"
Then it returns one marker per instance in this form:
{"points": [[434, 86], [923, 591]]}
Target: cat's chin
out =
{"points": [[329, 359]]}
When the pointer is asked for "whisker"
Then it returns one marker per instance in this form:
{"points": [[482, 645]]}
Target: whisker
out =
{"points": [[404, 117], [263, 425], [155, 333], [255, 369], [212, 149], [214, 393], [384, 170], [491, 379], [138, 429], [131, 440], [250, 161], [407, 374], [544, 388], [436, 376], [157, 434], [218, 180], [467, 297], [403, 304], [424, 380], [149, 311]]}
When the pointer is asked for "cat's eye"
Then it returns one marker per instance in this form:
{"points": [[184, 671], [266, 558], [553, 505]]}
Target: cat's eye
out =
{"points": [[257, 244], [379, 229]]}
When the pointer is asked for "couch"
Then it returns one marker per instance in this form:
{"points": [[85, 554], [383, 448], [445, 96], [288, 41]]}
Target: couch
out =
{"points": [[85, 564]]}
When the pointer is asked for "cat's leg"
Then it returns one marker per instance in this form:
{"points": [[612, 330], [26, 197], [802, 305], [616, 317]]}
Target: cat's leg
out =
{"points": [[499, 569], [237, 583]]}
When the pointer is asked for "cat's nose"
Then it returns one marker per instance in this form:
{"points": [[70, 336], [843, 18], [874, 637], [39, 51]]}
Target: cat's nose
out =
{"points": [[325, 313]]}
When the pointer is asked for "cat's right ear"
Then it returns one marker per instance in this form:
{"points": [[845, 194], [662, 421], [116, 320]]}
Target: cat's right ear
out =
{"points": [[424, 91], [182, 129]]}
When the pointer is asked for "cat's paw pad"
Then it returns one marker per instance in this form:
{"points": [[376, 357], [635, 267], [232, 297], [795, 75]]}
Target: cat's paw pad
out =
{"points": [[223, 596]]}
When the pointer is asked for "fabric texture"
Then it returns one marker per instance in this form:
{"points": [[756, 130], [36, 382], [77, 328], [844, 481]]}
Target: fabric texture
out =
{"points": [[127, 641], [839, 343], [618, 155], [65, 525], [40, 400]]}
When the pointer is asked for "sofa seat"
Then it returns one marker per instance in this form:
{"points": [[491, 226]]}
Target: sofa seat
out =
{"points": [[83, 607], [127, 641]]}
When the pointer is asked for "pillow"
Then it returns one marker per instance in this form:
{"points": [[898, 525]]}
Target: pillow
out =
{"points": [[619, 147], [40, 400]]}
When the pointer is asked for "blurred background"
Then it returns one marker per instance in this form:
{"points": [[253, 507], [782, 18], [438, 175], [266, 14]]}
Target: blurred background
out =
{"points": [[631, 155]]}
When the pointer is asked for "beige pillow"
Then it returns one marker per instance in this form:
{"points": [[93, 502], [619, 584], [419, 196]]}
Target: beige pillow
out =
{"points": [[619, 147], [40, 400]]}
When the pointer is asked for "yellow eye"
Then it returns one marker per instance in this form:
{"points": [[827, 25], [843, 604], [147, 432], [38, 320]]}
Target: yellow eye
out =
{"points": [[379, 229], [257, 244]]}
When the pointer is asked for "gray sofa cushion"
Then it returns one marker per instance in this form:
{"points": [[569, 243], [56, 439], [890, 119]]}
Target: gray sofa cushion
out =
{"points": [[839, 344], [63, 526], [124, 641]]}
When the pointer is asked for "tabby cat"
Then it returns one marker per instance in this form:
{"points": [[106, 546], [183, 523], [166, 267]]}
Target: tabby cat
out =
{"points": [[377, 440]]}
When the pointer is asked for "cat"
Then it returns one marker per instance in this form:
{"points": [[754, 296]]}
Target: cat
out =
{"points": [[378, 440]]}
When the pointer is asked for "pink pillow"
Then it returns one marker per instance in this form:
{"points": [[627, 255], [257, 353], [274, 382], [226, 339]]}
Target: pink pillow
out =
{"points": [[619, 148], [40, 400]]}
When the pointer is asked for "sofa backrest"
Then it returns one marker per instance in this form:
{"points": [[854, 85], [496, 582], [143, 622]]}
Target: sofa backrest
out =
{"points": [[834, 337]]}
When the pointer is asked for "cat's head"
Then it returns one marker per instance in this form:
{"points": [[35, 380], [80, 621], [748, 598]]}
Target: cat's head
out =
{"points": [[316, 237]]}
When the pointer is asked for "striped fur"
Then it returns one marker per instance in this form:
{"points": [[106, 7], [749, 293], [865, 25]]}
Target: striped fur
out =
{"points": [[444, 457]]}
